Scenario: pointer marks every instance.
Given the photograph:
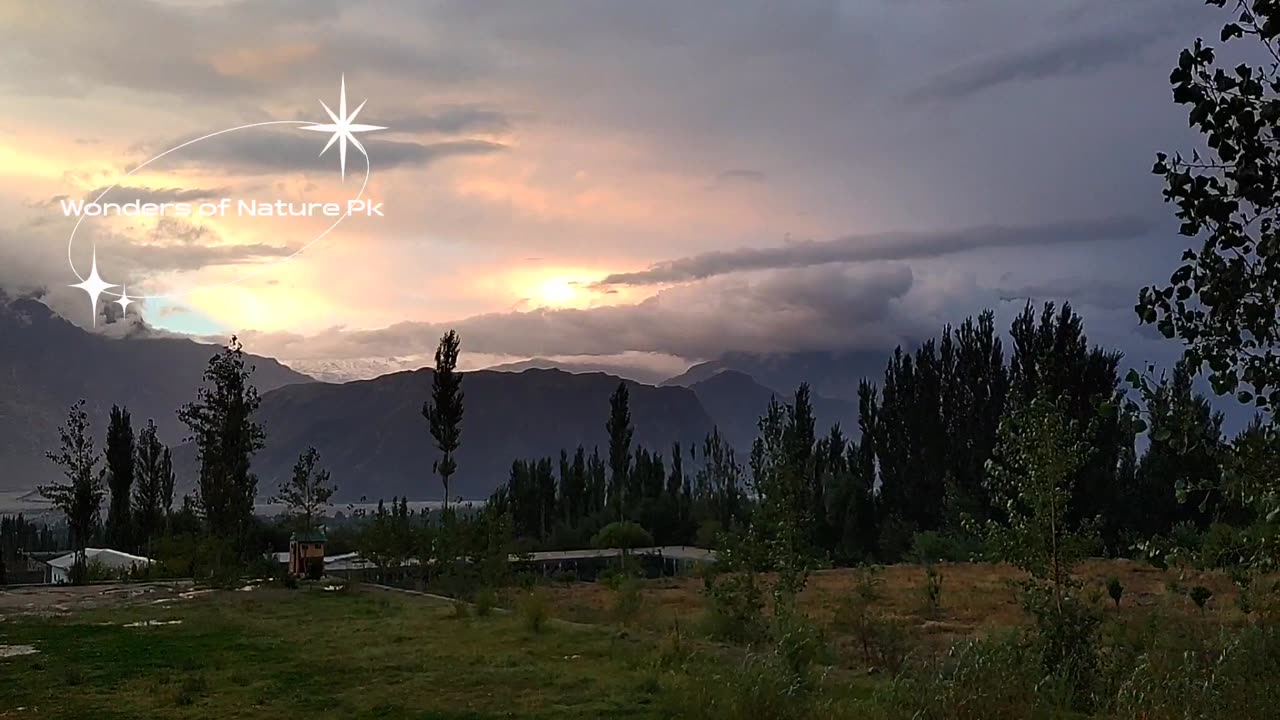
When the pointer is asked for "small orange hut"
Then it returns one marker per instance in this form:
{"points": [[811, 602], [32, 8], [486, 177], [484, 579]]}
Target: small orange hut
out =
{"points": [[304, 547]]}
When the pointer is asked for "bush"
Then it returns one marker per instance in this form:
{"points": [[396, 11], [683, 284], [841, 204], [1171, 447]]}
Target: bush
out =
{"points": [[799, 646], [708, 534], [735, 609], [758, 688], [932, 546], [627, 601], [461, 610], [1200, 595], [1231, 675], [1115, 589], [485, 600], [932, 590], [883, 641], [1067, 637], [535, 610], [622, 534], [989, 679]]}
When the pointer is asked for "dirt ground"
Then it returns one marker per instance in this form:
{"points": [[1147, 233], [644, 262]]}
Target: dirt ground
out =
{"points": [[61, 599], [976, 598]]}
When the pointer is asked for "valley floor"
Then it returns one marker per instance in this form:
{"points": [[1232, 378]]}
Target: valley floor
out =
{"points": [[272, 653], [165, 650]]}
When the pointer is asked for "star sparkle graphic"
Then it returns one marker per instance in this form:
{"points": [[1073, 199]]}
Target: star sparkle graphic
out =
{"points": [[94, 285], [343, 128]]}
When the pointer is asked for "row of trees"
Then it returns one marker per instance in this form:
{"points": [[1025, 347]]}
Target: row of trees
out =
{"points": [[920, 460], [137, 473]]}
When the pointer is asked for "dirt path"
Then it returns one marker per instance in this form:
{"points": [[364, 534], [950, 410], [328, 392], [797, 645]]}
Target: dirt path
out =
{"points": [[60, 599]]}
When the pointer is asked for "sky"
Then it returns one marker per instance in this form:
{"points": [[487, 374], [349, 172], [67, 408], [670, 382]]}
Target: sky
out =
{"points": [[646, 183]]}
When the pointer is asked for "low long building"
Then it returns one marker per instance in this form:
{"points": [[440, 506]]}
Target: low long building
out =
{"points": [[113, 561]]}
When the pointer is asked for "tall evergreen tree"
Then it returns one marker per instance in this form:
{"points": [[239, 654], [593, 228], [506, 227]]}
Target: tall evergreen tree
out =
{"points": [[120, 472], [226, 437], [444, 410], [620, 434], [80, 497], [149, 508]]}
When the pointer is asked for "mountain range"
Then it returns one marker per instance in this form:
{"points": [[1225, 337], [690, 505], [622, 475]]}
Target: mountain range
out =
{"points": [[47, 363], [370, 433]]}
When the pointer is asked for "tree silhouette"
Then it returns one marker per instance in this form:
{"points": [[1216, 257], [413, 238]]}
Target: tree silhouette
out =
{"points": [[444, 411]]}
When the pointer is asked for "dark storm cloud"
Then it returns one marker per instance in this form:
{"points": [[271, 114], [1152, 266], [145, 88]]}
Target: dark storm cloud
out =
{"points": [[271, 151], [881, 246], [239, 49], [452, 120], [815, 308], [1070, 55], [174, 244]]}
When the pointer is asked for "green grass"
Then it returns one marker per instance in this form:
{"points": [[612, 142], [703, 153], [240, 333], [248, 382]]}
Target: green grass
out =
{"points": [[305, 654]]}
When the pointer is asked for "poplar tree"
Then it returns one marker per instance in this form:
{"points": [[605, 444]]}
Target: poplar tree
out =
{"points": [[444, 410], [148, 493], [120, 475], [620, 433]]}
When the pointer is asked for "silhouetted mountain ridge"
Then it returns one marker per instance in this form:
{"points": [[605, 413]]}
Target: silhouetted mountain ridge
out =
{"points": [[48, 363]]}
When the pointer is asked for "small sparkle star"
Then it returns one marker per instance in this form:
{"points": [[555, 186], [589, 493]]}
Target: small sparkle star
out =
{"points": [[343, 128], [94, 285], [124, 302]]}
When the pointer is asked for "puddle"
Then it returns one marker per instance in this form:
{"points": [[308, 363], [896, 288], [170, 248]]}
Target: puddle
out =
{"points": [[8, 651], [151, 623]]}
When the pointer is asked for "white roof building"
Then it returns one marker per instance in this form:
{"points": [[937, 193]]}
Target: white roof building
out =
{"points": [[60, 567]]}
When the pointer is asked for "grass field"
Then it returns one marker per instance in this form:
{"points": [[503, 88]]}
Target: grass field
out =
{"points": [[365, 652], [307, 653]]}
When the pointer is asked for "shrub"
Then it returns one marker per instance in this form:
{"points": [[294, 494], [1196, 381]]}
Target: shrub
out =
{"points": [[708, 535], [673, 652], [1200, 595], [535, 610], [1231, 675], [933, 546], [461, 610], [799, 646], [883, 641], [622, 534], [1067, 635], [735, 609], [627, 601], [932, 590], [759, 687], [988, 679], [1115, 589], [485, 601]]}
